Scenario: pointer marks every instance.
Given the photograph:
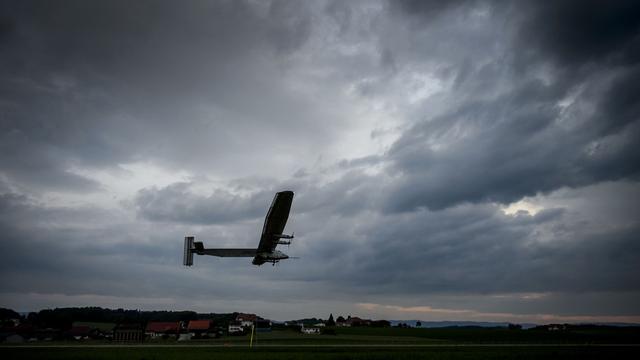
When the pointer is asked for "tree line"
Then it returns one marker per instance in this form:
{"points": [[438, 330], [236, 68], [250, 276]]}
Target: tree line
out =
{"points": [[62, 318]]}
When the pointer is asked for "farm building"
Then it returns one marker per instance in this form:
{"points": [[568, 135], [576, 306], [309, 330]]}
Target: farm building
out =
{"points": [[81, 332], [201, 328], [157, 329], [133, 332]]}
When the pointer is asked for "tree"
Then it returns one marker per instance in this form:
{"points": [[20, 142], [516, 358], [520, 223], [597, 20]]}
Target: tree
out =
{"points": [[515, 327], [331, 322], [418, 324], [8, 314]]}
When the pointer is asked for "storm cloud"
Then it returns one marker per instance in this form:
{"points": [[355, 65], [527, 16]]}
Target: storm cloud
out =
{"points": [[449, 159]]}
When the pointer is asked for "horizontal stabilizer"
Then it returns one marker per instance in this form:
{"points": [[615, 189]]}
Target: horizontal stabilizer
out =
{"points": [[229, 252]]}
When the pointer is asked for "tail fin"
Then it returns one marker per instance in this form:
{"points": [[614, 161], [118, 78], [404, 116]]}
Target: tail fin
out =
{"points": [[188, 250]]}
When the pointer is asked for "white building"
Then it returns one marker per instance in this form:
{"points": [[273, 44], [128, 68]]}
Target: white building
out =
{"points": [[235, 327], [246, 319], [310, 330]]}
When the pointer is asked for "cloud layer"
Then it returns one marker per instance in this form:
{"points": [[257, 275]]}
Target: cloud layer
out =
{"points": [[474, 157]]}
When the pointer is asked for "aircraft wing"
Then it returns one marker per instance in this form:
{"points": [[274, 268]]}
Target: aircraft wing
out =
{"points": [[275, 221]]}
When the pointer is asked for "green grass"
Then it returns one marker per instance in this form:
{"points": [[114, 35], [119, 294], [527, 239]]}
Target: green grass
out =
{"points": [[409, 336], [360, 343], [295, 338], [502, 335], [451, 353]]}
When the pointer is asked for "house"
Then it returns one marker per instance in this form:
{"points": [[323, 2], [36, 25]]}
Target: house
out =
{"points": [[99, 330], [356, 321], [49, 334], [557, 327], [342, 322], [246, 319], [352, 321], [235, 328], [79, 332], [156, 329], [201, 328], [11, 322], [26, 331], [310, 330]]}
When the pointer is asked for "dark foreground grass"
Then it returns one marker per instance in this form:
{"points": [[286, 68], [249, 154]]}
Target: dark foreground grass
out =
{"points": [[435, 353], [586, 335]]}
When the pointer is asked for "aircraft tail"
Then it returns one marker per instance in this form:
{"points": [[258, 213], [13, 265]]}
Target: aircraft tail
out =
{"points": [[188, 250]]}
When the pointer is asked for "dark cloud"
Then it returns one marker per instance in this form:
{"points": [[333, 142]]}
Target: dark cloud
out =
{"points": [[95, 85], [352, 193], [40, 165], [573, 33], [69, 250], [428, 8], [469, 254], [481, 251], [293, 26], [177, 203], [535, 136], [619, 105], [514, 146], [341, 13]]}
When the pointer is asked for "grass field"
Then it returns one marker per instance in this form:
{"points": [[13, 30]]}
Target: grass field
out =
{"points": [[360, 343], [594, 335], [222, 353], [437, 336]]}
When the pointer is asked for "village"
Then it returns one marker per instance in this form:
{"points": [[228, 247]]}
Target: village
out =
{"points": [[17, 329]]}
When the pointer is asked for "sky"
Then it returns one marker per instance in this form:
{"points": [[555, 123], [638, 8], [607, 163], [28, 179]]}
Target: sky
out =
{"points": [[451, 160]]}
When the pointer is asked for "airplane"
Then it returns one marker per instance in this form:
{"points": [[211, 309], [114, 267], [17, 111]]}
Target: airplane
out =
{"points": [[272, 236]]}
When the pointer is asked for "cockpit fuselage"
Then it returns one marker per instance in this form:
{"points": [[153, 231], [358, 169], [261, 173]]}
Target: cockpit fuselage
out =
{"points": [[272, 257]]}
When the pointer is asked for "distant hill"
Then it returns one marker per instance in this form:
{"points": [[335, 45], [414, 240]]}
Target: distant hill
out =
{"points": [[442, 324], [611, 324]]}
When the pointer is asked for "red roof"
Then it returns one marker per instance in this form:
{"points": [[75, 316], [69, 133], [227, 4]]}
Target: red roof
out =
{"points": [[80, 331], [199, 325], [163, 327], [246, 317]]}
